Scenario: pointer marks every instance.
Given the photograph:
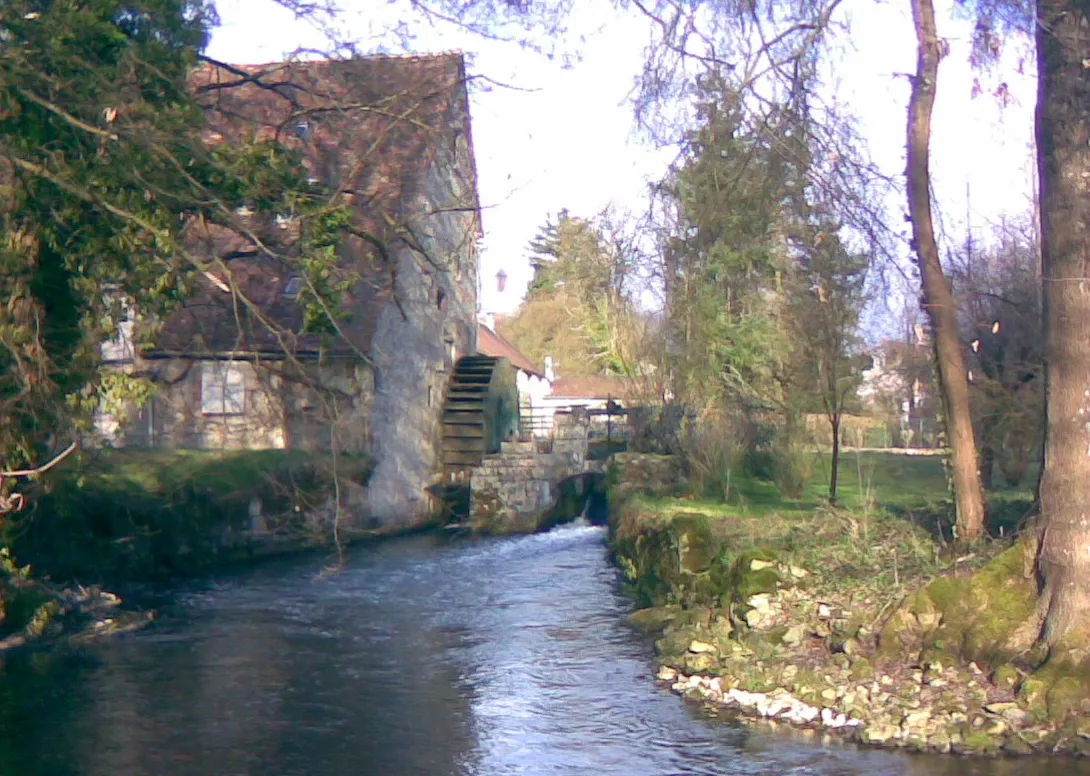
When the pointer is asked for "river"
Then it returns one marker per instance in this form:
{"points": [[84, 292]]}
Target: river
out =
{"points": [[421, 656]]}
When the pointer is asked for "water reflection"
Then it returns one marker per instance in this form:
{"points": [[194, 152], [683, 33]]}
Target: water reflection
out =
{"points": [[486, 658]]}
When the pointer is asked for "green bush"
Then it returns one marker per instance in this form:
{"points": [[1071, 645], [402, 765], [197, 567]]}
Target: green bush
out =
{"points": [[712, 449]]}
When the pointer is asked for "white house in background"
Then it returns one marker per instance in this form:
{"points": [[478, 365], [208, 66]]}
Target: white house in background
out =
{"points": [[593, 393], [542, 394]]}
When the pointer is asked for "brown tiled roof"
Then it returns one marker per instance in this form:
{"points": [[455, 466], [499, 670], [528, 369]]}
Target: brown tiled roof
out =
{"points": [[263, 319], [369, 129], [491, 343], [594, 387]]}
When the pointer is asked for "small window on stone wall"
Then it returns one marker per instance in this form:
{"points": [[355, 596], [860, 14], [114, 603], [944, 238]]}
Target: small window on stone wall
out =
{"points": [[293, 287], [429, 396], [223, 388], [440, 298]]}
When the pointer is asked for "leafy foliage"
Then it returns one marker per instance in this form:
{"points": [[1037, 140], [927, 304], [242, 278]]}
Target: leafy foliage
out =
{"points": [[102, 167], [579, 308]]}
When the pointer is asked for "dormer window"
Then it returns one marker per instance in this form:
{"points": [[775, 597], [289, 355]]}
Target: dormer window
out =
{"points": [[302, 129], [293, 287]]}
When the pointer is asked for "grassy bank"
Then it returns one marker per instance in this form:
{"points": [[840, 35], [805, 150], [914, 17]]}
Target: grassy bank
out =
{"points": [[865, 618], [891, 528], [123, 514]]}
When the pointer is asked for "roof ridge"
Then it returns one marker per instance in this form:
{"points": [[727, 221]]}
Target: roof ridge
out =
{"points": [[408, 57]]}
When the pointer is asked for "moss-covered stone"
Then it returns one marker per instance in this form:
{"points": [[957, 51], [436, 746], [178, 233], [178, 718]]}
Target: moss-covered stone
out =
{"points": [[674, 645], [862, 669], [979, 742], [668, 561], [1006, 676], [1066, 695], [653, 621], [697, 548], [971, 618]]}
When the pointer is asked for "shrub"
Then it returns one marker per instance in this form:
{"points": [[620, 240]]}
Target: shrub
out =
{"points": [[712, 448]]}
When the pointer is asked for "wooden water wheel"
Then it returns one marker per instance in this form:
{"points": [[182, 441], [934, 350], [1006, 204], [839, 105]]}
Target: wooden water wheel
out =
{"points": [[479, 412]]}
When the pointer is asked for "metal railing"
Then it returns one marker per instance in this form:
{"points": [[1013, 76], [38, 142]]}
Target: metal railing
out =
{"points": [[609, 423]]}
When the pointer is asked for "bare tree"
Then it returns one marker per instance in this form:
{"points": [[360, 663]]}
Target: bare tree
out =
{"points": [[938, 299]]}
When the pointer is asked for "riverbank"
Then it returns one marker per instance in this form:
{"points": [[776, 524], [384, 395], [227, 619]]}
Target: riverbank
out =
{"points": [[112, 517], [862, 621]]}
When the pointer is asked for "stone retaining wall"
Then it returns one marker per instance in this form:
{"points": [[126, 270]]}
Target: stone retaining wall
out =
{"points": [[510, 491]]}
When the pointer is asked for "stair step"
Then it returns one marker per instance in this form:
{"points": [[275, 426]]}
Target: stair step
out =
{"points": [[463, 419], [462, 431], [453, 458]]}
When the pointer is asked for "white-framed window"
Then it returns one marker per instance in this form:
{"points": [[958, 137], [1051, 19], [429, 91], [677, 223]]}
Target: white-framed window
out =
{"points": [[223, 388]]}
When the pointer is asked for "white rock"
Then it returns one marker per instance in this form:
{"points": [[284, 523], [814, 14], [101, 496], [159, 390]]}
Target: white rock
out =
{"points": [[699, 647], [744, 698], [757, 564], [795, 635], [760, 602], [667, 674], [777, 707], [753, 618], [824, 612], [808, 713]]}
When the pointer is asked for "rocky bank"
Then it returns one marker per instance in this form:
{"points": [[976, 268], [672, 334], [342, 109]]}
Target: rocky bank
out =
{"points": [[752, 633]]}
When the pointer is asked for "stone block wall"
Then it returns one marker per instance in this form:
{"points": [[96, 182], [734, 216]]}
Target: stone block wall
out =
{"points": [[511, 491]]}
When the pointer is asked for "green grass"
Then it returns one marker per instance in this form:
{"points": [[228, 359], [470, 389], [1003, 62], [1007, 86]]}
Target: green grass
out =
{"points": [[898, 481], [891, 525], [224, 474]]}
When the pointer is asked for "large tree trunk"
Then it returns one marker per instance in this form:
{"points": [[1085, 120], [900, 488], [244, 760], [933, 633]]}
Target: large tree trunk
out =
{"points": [[1063, 157], [938, 299]]}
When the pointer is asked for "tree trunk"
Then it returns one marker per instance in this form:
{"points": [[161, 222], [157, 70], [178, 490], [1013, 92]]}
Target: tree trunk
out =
{"points": [[938, 300], [1063, 160], [834, 421]]}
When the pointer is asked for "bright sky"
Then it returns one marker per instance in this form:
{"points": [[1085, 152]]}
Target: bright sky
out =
{"points": [[564, 138]]}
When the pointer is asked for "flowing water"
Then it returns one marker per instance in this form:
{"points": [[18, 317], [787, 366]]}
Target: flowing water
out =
{"points": [[422, 656]]}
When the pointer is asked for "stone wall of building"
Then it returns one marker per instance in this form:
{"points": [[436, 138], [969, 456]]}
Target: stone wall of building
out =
{"points": [[271, 406], [421, 337], [512, 491]]}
